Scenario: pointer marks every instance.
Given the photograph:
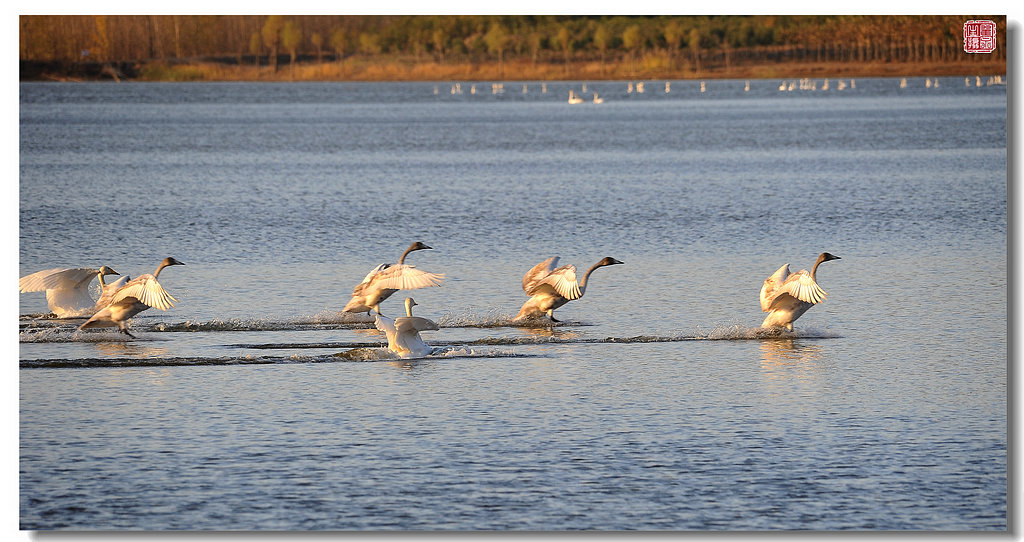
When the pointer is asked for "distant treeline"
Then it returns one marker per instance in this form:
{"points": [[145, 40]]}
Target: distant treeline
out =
{"points": [[688, 43]]}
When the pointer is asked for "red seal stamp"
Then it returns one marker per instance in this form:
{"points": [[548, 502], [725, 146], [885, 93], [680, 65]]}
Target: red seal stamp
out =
{"points": [[979, 36]]}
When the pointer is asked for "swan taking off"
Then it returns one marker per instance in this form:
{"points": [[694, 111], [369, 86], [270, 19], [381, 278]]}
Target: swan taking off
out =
{"points": [[404, 333], [386, 279], [550, 287], [67, 290], [134, 297], [786, 297]]}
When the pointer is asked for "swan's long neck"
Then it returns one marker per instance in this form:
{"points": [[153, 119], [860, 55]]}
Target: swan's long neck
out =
{"points": [[100, 276], [814, 270], [586, 277], [163, 264], [406, 253], [408, 307]]}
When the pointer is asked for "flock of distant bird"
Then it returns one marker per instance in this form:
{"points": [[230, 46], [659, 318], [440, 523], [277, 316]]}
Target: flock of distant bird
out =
{"points": [[806, 84], [785, 296]]}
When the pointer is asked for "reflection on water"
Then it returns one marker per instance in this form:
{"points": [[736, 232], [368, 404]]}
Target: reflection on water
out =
{"points": [[136, 349], [787, 357], [550, 332]]}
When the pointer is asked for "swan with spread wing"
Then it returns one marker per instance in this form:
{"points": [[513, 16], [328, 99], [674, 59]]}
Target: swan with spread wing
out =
{"points": [[134, 297], [403, 333], [550, 287], [386, 279], [786, 296], [67, 289]]}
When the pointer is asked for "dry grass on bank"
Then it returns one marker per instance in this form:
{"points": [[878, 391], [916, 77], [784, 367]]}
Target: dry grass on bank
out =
{"points": [[356, 69]]}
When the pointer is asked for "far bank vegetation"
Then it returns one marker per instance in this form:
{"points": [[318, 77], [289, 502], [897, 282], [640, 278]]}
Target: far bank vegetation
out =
{"points": [[520, 47]]}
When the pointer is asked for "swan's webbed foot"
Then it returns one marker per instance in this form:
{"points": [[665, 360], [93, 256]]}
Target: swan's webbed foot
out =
{"points": [[126, 332]]}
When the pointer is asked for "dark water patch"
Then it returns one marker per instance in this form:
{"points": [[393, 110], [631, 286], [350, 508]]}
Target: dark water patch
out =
{"points": [[154, 362], [359, 354], [323, 320], [497, 319]]}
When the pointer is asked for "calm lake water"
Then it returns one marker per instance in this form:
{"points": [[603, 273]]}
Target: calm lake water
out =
{"points": [[656, 404]]}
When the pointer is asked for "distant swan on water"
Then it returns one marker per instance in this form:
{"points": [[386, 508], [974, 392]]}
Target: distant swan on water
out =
{"points": [[550, 287], [786, 297], [67, 290], [574, 99], [598, 100], [386, 279], [134, 297], [404, 333]]}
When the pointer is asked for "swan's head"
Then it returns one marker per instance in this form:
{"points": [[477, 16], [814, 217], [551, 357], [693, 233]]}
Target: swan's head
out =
{"points": [[170, 261], [419, 245], [409, 304], [827, 257], [608, 261], [104, 270]]}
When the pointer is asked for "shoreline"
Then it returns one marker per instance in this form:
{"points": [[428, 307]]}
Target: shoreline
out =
{"points": [[403, 70]]}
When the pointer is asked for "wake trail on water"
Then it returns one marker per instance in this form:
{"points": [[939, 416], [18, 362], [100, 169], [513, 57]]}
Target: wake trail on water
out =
{"points": [[360, 354], [324, 320], [67, 331]]}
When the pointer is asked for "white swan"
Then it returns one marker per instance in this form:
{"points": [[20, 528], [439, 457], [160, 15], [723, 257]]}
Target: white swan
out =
{"points": [[67, 290], [786, 297], [386, 279], [597, 99], [134, 297], [574, 99], [404, 333], [550, 287]]}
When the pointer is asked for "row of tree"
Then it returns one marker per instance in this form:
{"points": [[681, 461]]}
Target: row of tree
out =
{"points": [[134, 38]]}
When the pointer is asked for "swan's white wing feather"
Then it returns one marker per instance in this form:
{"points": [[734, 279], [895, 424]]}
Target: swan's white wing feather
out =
{"points": [[769, 290], [109, 290], [538, 272], [406, 277], [57, 279], [371, 274], [801, 286], [563, 280], [407, 324], [385, 324], [148, 291]]}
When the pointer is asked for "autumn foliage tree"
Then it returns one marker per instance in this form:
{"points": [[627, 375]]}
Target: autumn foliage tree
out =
{"points": [[710, 41]]}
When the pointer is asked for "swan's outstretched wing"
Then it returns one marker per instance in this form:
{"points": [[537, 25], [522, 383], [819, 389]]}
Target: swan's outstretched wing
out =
{"points": [[771, 285], [561, 280], [405, 277], [109, 290], [57, 279], [408, 324], [369, 276], [801, 286], [387, 325], [538, 273], [147, 290]]}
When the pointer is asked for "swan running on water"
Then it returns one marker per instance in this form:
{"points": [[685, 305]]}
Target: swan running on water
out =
{"points": [[67, 290], [386, 279], [550, 287], [404, 333], [134, 297], [786, 297]]}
